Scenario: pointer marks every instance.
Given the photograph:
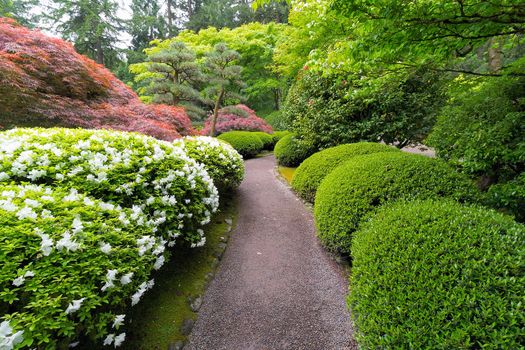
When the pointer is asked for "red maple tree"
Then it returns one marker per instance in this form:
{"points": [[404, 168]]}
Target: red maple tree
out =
{"points": [[45, 82], [230, 119]]}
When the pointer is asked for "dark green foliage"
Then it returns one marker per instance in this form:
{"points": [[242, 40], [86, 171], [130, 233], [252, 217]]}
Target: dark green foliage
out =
{"points": [[315, 168], [329, 111], [248, 144], [291, 151], [277, 120], [19, 10], [365, 182], [266, 139], [436, 274], [277, 135], [482, 131]]}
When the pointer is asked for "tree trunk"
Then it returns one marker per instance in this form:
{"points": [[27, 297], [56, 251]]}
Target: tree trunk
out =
{"points": [[277, 99], [100, 52], [170, 18], [216, 112], [494, 55]]}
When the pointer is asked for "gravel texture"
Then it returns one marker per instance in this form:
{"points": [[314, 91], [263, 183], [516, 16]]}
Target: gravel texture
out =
{"points": [[276, 287]]}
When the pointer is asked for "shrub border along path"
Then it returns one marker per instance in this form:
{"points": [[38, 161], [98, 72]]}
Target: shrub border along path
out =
{"points": [[276, 287]]}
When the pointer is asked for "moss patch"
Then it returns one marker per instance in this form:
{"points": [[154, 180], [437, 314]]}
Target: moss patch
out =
{"points": [[287, 173], [157, 319]]}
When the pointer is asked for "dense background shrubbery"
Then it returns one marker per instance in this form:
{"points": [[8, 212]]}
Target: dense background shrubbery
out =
{"points": [[363, 183], [330, 110], [438, 275], [267, 140], [248, 144], [291, 151], [315, 168], [223, 163], [482, 132]]}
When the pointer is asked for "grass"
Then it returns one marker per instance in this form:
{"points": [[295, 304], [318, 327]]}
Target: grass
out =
{"points": [[287, 173], [155, 322]]}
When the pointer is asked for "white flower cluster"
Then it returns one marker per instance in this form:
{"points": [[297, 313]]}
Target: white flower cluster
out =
{"points": [[222, 162], [8, 339]]}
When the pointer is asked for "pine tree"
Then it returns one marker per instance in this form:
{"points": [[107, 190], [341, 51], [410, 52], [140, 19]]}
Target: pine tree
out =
{"points": [[175, 76], [92, 26], [19, 10], [146, 24], [224, 78]]}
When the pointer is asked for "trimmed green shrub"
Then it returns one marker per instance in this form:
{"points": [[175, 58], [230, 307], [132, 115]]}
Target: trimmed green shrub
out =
{"points": [[223, 163], [70, 265], [127, 169], [436, 274], [365, 182], [246, 143], [277, 120], [277, 135], [314, 169], [267, 140], [290, 151]]}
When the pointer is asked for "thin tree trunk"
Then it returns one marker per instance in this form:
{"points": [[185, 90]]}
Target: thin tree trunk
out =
{"points": [[170, 18], [216, 112], [494, 55], [277, 99], [100, 52]]}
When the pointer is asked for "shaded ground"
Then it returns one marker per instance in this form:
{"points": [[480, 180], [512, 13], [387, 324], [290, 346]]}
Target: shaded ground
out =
{"points": [[276, 287]]}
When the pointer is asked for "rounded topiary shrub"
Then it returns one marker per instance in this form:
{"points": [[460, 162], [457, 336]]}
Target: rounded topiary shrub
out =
{"points": [[248, 144], [266, 139], [71, 265], [436, 274], [277, 135], [127, 169], [314, 169], [365, 182], [290, 151], [223, 163]]}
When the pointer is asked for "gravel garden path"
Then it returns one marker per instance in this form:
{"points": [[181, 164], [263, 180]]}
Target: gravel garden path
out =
{"points": [[276, 288]]}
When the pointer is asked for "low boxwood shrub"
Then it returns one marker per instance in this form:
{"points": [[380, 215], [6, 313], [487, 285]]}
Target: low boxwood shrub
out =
{"points": [[365, 182], [127, 169], [436, 274], [223, 163], [267, 140], [291, 151], [314, 169], [248, 144], [277, 135], [70, 265]]}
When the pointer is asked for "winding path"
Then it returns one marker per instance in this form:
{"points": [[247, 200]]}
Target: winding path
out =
{"points": [[276, 288]]}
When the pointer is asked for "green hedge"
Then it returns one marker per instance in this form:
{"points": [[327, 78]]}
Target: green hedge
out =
{"points": [[223, 163], [70, 264], [314, 169], [267, 140], [290, 151], [248, 144], [365, 182], [277, 135], [436, 274], [131, 170]]}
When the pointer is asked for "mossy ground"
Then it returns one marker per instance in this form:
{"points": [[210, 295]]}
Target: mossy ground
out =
{"points": [[156, 321], [287, 173]]}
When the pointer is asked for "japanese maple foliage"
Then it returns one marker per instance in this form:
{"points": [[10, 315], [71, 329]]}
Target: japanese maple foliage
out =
{"points": [[239, 117], [44, 82]]}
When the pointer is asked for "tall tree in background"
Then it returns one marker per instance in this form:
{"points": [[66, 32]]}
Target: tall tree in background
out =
{"points": [[146, 24], [91, 25], [172, 76], [224, 77], [19, 10]]}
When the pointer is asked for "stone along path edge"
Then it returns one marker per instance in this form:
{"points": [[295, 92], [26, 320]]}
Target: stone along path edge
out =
{"points": [[276, 287]]}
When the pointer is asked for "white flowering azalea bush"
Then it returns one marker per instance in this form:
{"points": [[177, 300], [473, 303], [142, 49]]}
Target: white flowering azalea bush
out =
{"points": [[70, 265], [223, 163], [152, 177]]}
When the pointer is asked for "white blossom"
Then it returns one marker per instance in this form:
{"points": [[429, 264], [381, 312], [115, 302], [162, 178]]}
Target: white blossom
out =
{"points": [[105, 247], [126, 279], [118, 321], [8, 340], [74, 306], [119, 339], [67, 243]]}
